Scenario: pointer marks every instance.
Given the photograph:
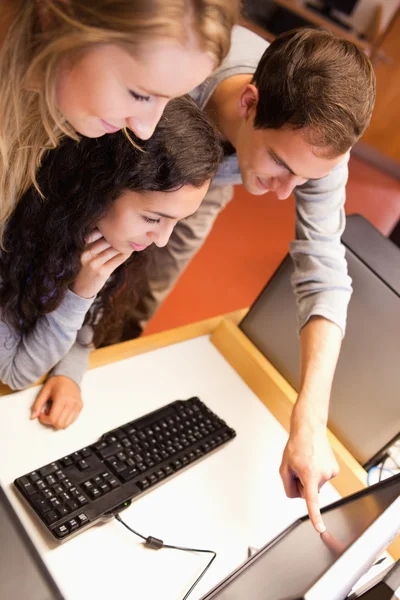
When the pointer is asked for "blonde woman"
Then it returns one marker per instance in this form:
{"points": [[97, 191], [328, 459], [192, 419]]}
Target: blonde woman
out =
{"points": [[71, 67]]}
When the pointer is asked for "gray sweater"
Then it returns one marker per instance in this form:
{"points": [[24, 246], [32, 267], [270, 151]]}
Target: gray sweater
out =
{"points": [[321, 284], [57, 342], [320, 281]]}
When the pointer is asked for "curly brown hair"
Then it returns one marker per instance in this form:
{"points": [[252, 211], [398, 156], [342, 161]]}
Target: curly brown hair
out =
{"points": [[45, 238]]}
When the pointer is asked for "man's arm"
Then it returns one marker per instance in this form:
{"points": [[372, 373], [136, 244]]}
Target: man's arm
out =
{"points": [[308, 460], [323, 289]]}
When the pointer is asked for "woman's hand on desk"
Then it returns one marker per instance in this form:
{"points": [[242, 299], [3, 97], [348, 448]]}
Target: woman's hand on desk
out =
{"points": [[307, 463], [63, 399]]}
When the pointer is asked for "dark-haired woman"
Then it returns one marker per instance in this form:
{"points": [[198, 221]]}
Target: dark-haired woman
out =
{"points": [[68, 269]]}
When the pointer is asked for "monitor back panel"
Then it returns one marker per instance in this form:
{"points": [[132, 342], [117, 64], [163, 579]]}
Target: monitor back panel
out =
{"points": [[364, 412], [23, 574]]}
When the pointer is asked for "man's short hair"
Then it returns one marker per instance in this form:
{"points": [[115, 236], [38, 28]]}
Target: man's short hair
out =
{"points": [[309, 78]]}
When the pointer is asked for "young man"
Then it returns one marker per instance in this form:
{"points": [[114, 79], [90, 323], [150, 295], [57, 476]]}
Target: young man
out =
{"points": [[289, 114]]}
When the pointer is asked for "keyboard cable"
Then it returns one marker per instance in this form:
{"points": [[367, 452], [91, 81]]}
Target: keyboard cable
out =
{"points": [[156, 544]]}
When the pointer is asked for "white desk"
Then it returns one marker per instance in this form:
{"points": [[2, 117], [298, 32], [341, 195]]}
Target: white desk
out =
{"points": [[232, 499]]}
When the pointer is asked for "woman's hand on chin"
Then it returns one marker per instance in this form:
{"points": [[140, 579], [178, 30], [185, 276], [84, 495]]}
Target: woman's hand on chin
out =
{"points": [[99, 260]]}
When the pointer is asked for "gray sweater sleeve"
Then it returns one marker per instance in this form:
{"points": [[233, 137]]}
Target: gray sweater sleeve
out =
{"points": [[75, 363], [24, 359], [321, 283]]}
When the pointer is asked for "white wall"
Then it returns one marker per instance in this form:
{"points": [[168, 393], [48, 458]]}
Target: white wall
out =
{"points": [[365, 10]]}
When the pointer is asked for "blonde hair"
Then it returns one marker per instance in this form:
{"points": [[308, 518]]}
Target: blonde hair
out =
{"points": [[30, 123]]}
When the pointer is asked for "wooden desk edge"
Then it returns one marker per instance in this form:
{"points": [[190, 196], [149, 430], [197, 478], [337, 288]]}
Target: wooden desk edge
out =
{"points": [[279, 397], [141, 345], [147, 343]]}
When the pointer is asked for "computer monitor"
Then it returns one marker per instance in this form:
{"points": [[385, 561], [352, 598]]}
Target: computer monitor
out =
{"points": [[300, 564], [23, 574], [343, 6], [365, 388], [327, 8]]}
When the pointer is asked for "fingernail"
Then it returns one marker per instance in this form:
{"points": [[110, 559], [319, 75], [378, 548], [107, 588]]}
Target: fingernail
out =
{"points": [[320, 527]]}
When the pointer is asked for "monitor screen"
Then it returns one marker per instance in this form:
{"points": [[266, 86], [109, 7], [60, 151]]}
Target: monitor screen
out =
{"points": [[344, 6], [22, 572], [288, 567]]}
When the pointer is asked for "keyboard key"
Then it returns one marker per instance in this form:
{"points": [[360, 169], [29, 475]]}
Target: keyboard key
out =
{"points": [[51, 480], [100, 445], [58, 489], [49, 469], [40, 503], [28, 486], [60, 475], [130, 473], [144, 484], [104, 488], [73, 524], [55, 503], [130, 429], [72, 505], [61, 531], [48, 494], [82, 464], [82, 500], [110, 450], [116, 465], [63, 510], [66, 461], [41, 485], [64, 497], [50, 517], [113, 483], [34, 477], [86, 452], [94, 493], [82, 519]]}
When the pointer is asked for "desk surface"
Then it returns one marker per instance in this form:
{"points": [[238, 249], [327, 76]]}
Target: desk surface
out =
{"points": [[232, 499]]}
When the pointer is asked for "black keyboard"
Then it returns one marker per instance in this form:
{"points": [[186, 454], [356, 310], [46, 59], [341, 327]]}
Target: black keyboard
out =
{"points": [[72, 493]]}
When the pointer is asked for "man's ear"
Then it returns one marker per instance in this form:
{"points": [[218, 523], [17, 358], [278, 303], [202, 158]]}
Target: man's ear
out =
{"points": [[248, 101]]}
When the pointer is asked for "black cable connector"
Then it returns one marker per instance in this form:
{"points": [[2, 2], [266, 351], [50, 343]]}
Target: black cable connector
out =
{"points": [[156, 544]]}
